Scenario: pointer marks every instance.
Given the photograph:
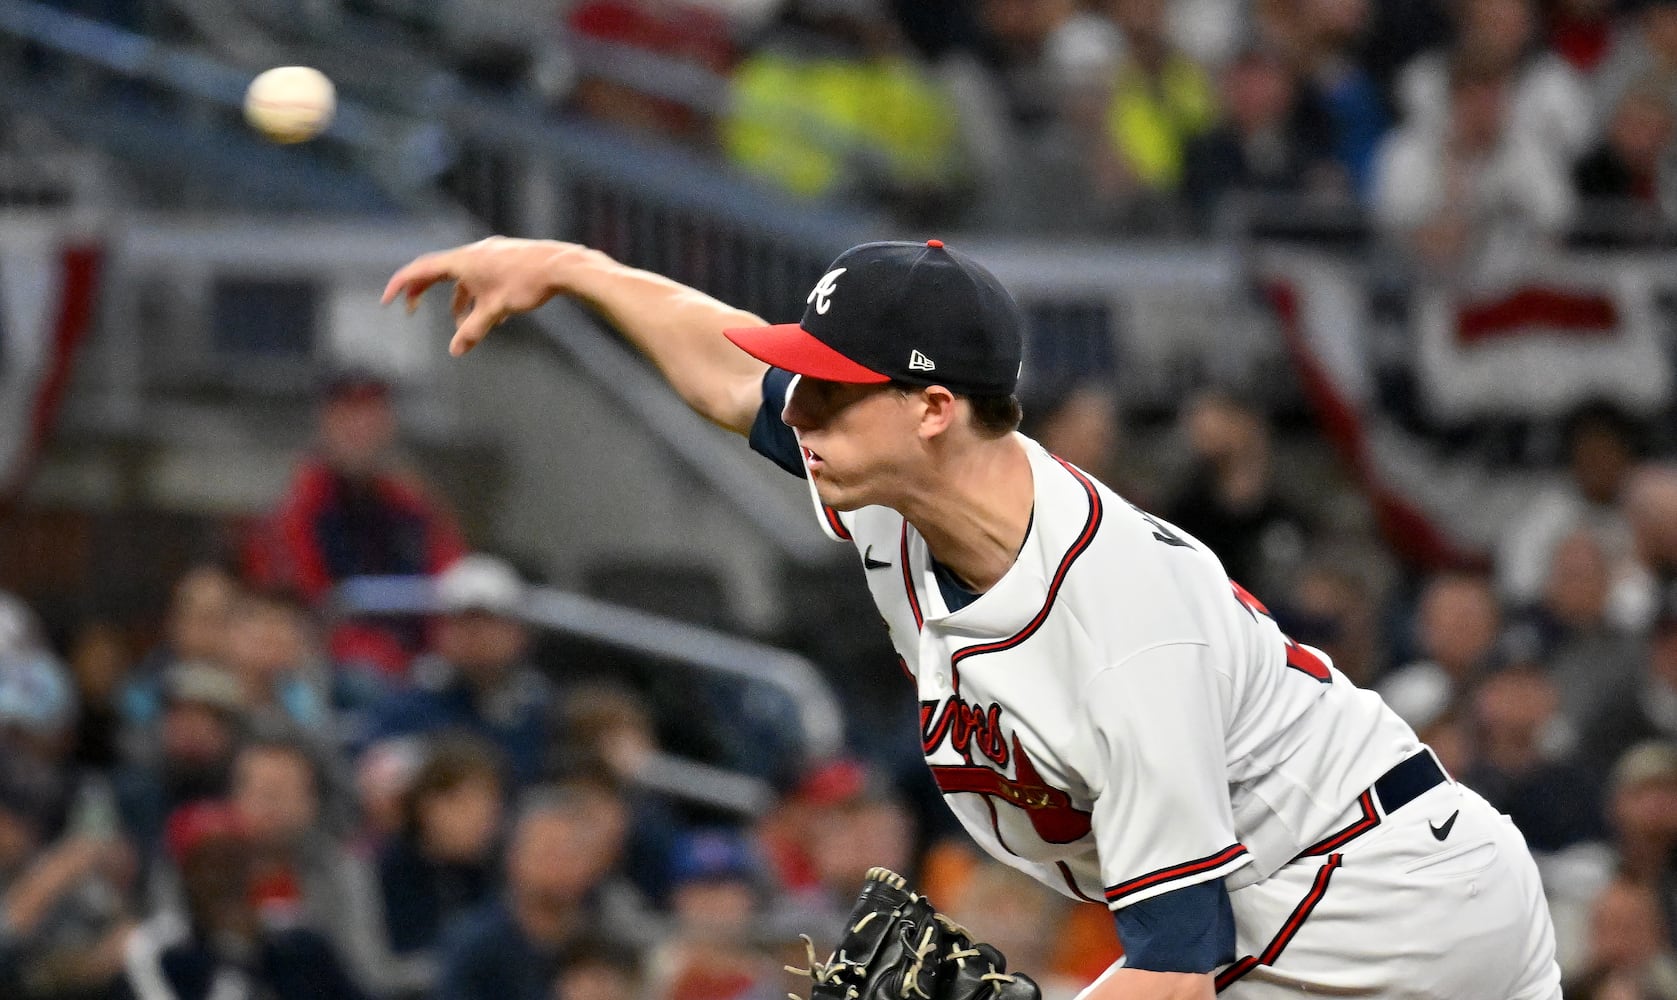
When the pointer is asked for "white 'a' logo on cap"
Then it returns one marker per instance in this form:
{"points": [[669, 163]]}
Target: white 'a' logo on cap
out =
{"points": [[918, 362], [824, 289]]}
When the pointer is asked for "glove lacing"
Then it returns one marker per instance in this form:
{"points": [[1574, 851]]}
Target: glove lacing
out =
{"points": [[959, 955], [821, 972]]}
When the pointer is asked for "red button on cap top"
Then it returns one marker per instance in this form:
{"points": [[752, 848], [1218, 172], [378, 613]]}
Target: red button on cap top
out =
{"points": [[935, 244]]}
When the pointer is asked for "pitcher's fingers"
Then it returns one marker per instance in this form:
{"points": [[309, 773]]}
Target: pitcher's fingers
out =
{"points": [[457, 305], [417, 275], [474, 328]]}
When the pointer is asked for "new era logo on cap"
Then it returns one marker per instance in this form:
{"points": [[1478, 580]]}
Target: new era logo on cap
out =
{"points": [[896, 294]]}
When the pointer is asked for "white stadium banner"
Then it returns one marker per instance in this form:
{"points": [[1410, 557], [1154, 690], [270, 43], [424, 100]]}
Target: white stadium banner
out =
{"points": [[1544, 346], [48, 285], [1434, 507]]}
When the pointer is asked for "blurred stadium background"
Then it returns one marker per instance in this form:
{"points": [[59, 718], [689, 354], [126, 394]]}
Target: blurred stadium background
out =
{"points": [[1376, 297]]}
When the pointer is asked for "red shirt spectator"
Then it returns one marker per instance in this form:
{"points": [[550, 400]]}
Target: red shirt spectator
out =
{"points": [[351, 512]]}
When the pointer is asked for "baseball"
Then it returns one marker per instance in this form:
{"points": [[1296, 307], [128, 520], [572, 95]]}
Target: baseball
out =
{"points": [[290, 103]]}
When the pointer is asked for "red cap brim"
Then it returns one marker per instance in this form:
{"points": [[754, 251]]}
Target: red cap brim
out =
{"points": [[793, 348]]}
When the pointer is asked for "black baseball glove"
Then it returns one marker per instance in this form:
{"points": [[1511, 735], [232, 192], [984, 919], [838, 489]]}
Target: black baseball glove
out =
{"points": [[897, 947]]}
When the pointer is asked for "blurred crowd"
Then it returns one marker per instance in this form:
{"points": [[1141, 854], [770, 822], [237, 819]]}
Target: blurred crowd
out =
{"points": [[270, 799], [1451, 124], [267, 799]]}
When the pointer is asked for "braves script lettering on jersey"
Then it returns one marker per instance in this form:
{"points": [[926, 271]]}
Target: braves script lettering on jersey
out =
{"points": [[1118, 719]]}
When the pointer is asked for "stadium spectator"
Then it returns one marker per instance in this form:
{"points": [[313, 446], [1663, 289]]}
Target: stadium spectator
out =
{"points": [[830, 105], [1274, 138], [217, 944], [1601, 447], [20, 629], [601, 969], [559, 858], [190, 756], [1629, 952], [1330, 604], [786, 834], [711, 952], [37, 717], [1580, 32], [441, 863], [302, 872], [1642, 709], [353, 509], [1081, 423], [99, 662], [1457, 622], [271, 650], [1549, 110], [1646, 54], [477, 679], [1515, 716], [1641, 818], [1570, 633], [1230, 499], [1643, 814], [1630, 167], [383, 773], [875, 828], [1651, 506], [66, 902], [1030, 90], [194, 630], [606, 733], [1329, 35], [1161, 99], [1470, 189]]}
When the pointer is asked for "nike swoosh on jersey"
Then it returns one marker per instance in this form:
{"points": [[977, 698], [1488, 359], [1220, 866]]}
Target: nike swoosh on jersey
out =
{"points": [[869, 562], [1443, 831]]}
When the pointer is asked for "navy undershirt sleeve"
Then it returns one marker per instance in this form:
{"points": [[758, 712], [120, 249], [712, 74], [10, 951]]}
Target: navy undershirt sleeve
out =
{"points": [[1185, 930], [770, 437]]}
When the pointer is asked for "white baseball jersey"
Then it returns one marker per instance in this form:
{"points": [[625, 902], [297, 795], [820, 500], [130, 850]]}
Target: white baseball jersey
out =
{"points": [[1115, 717]]}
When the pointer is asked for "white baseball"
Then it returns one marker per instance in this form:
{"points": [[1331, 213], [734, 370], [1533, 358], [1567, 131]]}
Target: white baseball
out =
{"points": [[290, 103]]}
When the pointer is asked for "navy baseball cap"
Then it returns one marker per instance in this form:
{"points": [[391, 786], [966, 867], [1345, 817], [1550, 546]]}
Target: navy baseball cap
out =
{"points": [[918, 313]]}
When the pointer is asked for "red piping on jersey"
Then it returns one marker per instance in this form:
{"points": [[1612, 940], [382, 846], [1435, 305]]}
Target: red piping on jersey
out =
{"points": [[835, 522], [1090, 526], [1288, 931], [1359, 826], [1188, 868], [1071, 883]]}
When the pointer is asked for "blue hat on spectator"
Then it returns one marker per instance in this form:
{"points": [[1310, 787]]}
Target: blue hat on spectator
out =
{"points": [[711, 856]]}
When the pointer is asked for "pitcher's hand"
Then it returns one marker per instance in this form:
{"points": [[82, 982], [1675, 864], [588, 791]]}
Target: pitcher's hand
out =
{"points": [[493, 279]]}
